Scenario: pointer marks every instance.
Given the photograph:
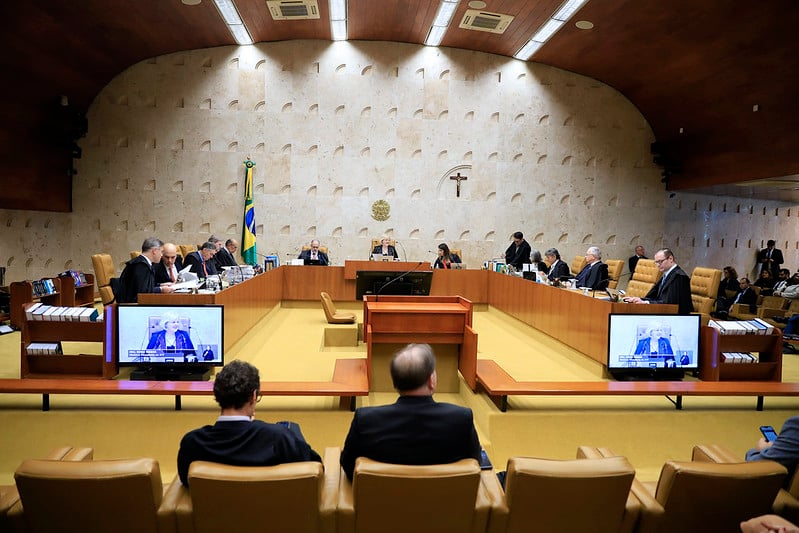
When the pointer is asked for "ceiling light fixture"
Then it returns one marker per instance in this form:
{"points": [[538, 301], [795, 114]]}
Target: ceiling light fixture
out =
{"points": [[440, 24], [338, 20], [229, 13], [549, 28]]}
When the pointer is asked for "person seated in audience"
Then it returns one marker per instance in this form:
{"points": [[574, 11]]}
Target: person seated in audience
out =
{"points": [[655, 342], [595, 273], [170, 338], [385, 248], [729, 282], [202, 261], [632, 262], [445, 257], [674, 286], [784, 449], [558, 270], [746, 296], [791, 290], [766, 282], [416, 430], [237, 438], [781, 282], [768, 523], [518, 253], [166, 271], [314, 256], [540, 265]]}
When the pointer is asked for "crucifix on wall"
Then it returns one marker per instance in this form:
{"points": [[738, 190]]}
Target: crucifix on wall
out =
{"points": [[458, 178]]}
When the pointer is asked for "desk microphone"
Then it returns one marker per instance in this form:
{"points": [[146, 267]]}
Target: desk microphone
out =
{"points": [[395, 278], [404, 253]]}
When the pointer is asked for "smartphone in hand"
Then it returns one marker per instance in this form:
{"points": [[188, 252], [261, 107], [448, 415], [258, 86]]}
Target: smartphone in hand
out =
{"points": [[485, 463], [768, 433]]}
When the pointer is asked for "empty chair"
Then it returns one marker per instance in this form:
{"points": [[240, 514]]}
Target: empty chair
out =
{"points": [[297, 497], [334, 316], [704, 290], [584, 494], [389, 498], [115, 495], [615, 267], [103, 273]]}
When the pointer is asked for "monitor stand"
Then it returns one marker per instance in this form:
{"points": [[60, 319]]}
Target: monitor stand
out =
{"points": [[172, 373], [643, 374]]}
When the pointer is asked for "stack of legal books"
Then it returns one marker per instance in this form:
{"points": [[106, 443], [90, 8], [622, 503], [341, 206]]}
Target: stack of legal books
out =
{"points": [[43, 287], [55, 313], [44, 348], [739, 357], [755, 326]]}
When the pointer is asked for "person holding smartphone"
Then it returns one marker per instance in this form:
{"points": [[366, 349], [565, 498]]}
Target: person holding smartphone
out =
{"points": [[784, 449]]}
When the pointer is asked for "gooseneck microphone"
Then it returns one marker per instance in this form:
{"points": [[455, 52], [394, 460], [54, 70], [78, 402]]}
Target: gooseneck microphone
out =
{"points": [[395, 278]]}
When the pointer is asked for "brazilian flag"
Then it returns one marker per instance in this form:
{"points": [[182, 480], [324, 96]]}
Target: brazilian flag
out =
{"points": [[248, 252]]}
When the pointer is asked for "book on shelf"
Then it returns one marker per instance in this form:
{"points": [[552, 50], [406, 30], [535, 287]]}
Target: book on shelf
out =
{"points": [[755, 326], [44, 348], [739, 357], [31, 308], [54, 313]]}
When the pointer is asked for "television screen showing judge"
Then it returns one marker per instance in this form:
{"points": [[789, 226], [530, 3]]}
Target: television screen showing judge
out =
{"points": [[653, 341], [152, 335]]}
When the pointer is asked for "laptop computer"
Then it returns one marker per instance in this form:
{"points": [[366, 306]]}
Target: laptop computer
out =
{"points": [[313, 262]]}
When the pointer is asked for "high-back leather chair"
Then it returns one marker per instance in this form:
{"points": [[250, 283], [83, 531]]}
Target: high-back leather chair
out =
{"points": [[390, 498], [458, 252], [584, 494], [333, 315], [297, 497], [116, 495], [578, 263], [644, 278], [103, 272], [695, 496], [186, 249], [704, 289], [615, 268], [322, 249]]}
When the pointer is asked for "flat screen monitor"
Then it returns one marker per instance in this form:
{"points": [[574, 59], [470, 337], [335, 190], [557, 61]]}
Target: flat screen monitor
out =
{"points": [[170, 339], [652, 346], [313, 262], [397, 283]]}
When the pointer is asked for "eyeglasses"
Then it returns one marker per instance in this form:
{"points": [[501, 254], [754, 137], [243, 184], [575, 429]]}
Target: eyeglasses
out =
{"points": [[659, 261]]}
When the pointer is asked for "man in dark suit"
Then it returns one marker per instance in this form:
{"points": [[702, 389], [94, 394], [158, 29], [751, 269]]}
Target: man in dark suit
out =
{"points": [[224, 254], [166, 271], [518, 253], [416, 430], [558, 270], [673, 288], [771, 258], [202, 261], [595, 273], [746, 296], [640, 253], [138, 277], [314, 256]]}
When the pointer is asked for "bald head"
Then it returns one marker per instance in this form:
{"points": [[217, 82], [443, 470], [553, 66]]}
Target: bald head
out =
{"points": [[413, 370], [169, 253]]}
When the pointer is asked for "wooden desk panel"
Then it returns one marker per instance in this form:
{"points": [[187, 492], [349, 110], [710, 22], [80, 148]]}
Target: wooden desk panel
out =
{"points": [[306, 282], [471, 284], [351, 268]]}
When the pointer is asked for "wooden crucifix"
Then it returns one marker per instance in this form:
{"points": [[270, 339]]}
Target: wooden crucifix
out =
{"points": [[458, 178]]}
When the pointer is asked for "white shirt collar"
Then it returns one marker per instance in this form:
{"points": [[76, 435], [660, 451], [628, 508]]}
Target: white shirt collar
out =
{"points": [[233, 418]]}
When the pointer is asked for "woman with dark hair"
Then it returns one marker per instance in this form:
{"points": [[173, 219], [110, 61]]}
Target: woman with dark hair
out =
{"points": [[729, 282], [445, 257], [766, 282]]}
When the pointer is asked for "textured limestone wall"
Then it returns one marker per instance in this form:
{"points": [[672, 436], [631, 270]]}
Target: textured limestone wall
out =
{"points": [[335, 127]]}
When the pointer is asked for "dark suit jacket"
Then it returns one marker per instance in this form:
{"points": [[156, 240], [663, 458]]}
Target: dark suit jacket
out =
{"points": [[223, 257], [747, 297], [441, 264], [161, 275], [416, 430], [776, 260], [785, 449], [391, 251], [305, 255], [559, 270], [518, 255], [137, 277], [195, 260], [633, 262], [675, 290], [594, 276]]}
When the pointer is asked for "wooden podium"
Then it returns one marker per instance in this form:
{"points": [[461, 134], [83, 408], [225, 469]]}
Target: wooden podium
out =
{"points": [[445, 322]]}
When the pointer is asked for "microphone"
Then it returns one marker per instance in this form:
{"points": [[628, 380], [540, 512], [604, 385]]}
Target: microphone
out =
{"points": [[395, 278], [404, 253]]}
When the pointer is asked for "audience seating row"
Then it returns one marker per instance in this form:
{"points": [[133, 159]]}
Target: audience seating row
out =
{"points": [[595, 492]]}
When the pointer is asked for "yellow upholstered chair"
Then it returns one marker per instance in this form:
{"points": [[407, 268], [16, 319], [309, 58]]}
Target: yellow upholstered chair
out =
{"points": [[103, 272], [332, 314], [134, 254], [615, 267], [697, 496], [644, 278], [457, 251], [704, 289], [583, 494], [322, 249], [186, 249], [786, 504], [297, 497], [392, 498], [117, 495], [578, 263]]}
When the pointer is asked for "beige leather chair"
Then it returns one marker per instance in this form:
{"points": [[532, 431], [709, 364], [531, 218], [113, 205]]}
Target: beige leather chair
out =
{"points": [[296, 497], [117, 495], [696, 496], [103, 272], [458, 252], [786, 504], [186, 249], [322, 249], [615, 268], [578, 263], [644, 278], [704, 290], [389, 498], [583, 494], [134, 254], [333, 315]]}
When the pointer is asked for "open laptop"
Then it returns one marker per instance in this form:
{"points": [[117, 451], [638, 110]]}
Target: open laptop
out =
{"points": [[313, 262]]}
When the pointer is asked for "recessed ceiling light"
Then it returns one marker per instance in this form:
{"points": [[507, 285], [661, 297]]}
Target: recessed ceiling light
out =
{"points": [[584, 24], [191, 2], [477, 4]]}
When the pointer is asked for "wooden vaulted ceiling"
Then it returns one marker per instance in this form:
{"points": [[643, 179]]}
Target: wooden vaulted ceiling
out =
{"points": [[695, 69]]}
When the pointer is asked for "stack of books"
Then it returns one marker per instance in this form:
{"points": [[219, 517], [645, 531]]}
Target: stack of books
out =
{"points": [[77, 275], [755, 326], [43, 287], [739, 357], [55, 313], [44, 348]]}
